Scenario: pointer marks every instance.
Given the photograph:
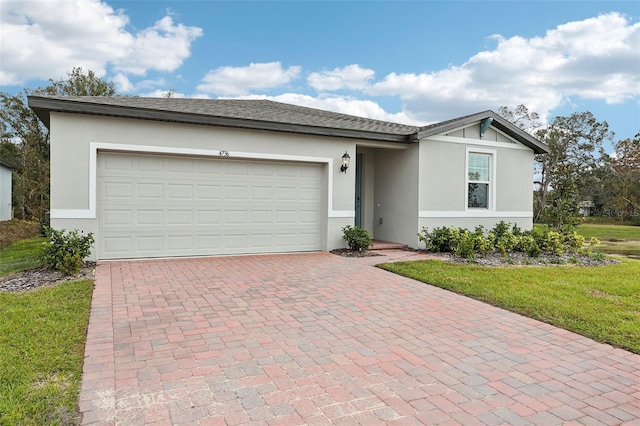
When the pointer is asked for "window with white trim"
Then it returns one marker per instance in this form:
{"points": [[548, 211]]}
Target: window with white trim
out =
{"points": [[478, 180]]}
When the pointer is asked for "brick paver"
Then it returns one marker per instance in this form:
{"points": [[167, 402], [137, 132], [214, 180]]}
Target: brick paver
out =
{"points": [[320, 339]]}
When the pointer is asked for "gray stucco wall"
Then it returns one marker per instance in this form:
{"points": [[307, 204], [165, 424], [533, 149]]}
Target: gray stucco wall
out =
{"points": [[443, 184], [396, 195], [72, 134], [5, 193]]}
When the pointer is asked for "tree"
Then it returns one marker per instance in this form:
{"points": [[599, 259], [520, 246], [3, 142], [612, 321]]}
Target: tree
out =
{"points": [[24, 140], [78, 83], [575, 148], [521, 116], [626, 164]]}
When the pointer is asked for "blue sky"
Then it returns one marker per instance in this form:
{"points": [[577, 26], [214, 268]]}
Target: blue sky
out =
{"points": [[415, 62]]}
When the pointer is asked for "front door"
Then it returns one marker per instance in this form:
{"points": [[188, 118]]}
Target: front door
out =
{"points": [[358, 201]]}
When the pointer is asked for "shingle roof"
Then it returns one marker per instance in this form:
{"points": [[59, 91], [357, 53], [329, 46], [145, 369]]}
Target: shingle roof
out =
{"points": [[8, 165], [262, 114], [265, 114]]}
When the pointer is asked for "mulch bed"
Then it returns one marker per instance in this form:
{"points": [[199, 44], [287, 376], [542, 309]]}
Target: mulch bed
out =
{"points": [[32, 279], [355, 253]]}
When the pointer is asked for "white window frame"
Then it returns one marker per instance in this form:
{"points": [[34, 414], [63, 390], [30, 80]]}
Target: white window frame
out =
{"points": [[491, 193]]}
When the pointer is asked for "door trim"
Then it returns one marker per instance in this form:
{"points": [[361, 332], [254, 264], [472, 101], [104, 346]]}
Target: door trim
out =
{"points": [[94, 147]]}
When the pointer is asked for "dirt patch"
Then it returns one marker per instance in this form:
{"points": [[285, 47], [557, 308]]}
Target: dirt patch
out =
{"points": [[32, 279], [15, 230]]}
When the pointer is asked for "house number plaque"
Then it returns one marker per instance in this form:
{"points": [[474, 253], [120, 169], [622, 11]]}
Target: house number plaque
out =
{"points": [[224, 153]]}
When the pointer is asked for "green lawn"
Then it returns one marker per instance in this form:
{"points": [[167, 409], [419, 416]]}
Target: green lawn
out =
{"points": [[610, 232], [42, 337], [598, 302], [21, 255], [615, 239]]}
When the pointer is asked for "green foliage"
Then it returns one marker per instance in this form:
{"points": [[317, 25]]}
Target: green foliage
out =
{"points": [[24, 140], [575, 149], [78, 83], [573, 242], [356, 238], [552, 242], [465, 245], [484, 244], [505, 239], [529, 245], [66, 251]]}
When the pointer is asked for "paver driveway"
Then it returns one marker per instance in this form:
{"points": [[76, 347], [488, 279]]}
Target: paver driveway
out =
{"points": [[320, 339]]}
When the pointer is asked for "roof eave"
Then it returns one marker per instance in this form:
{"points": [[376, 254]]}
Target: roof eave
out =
{"points": [[43, 106], [500, 123]]}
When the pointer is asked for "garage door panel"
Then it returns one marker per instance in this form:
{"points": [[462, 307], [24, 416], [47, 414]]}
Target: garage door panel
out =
{"points": [[208, 217], [154, 206], [208, 192], [150, 217]]}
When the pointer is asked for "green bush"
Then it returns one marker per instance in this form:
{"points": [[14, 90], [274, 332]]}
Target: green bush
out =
{"points": [[573, 242], [66, 251], [356, 238], [553, 243], [505, 239], [528, 244], [465, 246]]}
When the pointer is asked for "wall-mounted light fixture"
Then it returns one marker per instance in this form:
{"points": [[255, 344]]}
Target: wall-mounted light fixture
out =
{"points": [[345, 162], [484, 125]]}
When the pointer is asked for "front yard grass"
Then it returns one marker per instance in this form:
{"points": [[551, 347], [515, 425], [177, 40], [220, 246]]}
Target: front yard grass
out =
{"points": [[602, 302], [21, 255], [42, 337]]}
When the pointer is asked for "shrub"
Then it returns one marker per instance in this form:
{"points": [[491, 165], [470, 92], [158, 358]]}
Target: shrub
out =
{"points": [[465, 246], [553, 243], [573, 242], [66, 251], [484, 244], [529, 245], [356, 238], [443, 239], [506, 243]]}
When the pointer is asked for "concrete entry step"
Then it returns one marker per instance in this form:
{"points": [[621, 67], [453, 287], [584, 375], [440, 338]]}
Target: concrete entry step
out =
{"points": [[386, 245]]}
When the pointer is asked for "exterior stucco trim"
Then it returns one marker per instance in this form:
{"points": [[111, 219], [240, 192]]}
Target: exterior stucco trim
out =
{"points": [[423, 214], [477, 142], [94, 147]]}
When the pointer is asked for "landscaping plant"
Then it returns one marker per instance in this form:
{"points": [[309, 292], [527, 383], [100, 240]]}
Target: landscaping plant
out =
{"points": [[66, 251], [503, 238], [357, 239]]}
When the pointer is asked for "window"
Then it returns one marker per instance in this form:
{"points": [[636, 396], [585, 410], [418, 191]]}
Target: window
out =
{"points": [[479, 179]]}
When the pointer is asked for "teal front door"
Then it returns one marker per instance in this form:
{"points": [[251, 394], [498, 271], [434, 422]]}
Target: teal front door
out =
{"points": [[358, 201]]}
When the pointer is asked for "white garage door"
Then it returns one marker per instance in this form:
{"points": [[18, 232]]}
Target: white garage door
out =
{"points": [[160, 206]]}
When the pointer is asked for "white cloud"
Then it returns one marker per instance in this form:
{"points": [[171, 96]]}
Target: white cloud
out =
{"points": [[125, 85], [238, 81], [340, 104], [46, 39], [350, 77], [597, 58]]}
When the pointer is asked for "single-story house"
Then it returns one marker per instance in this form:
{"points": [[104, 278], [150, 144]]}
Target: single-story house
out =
{"points": [[155, 177], [6, 209]]}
